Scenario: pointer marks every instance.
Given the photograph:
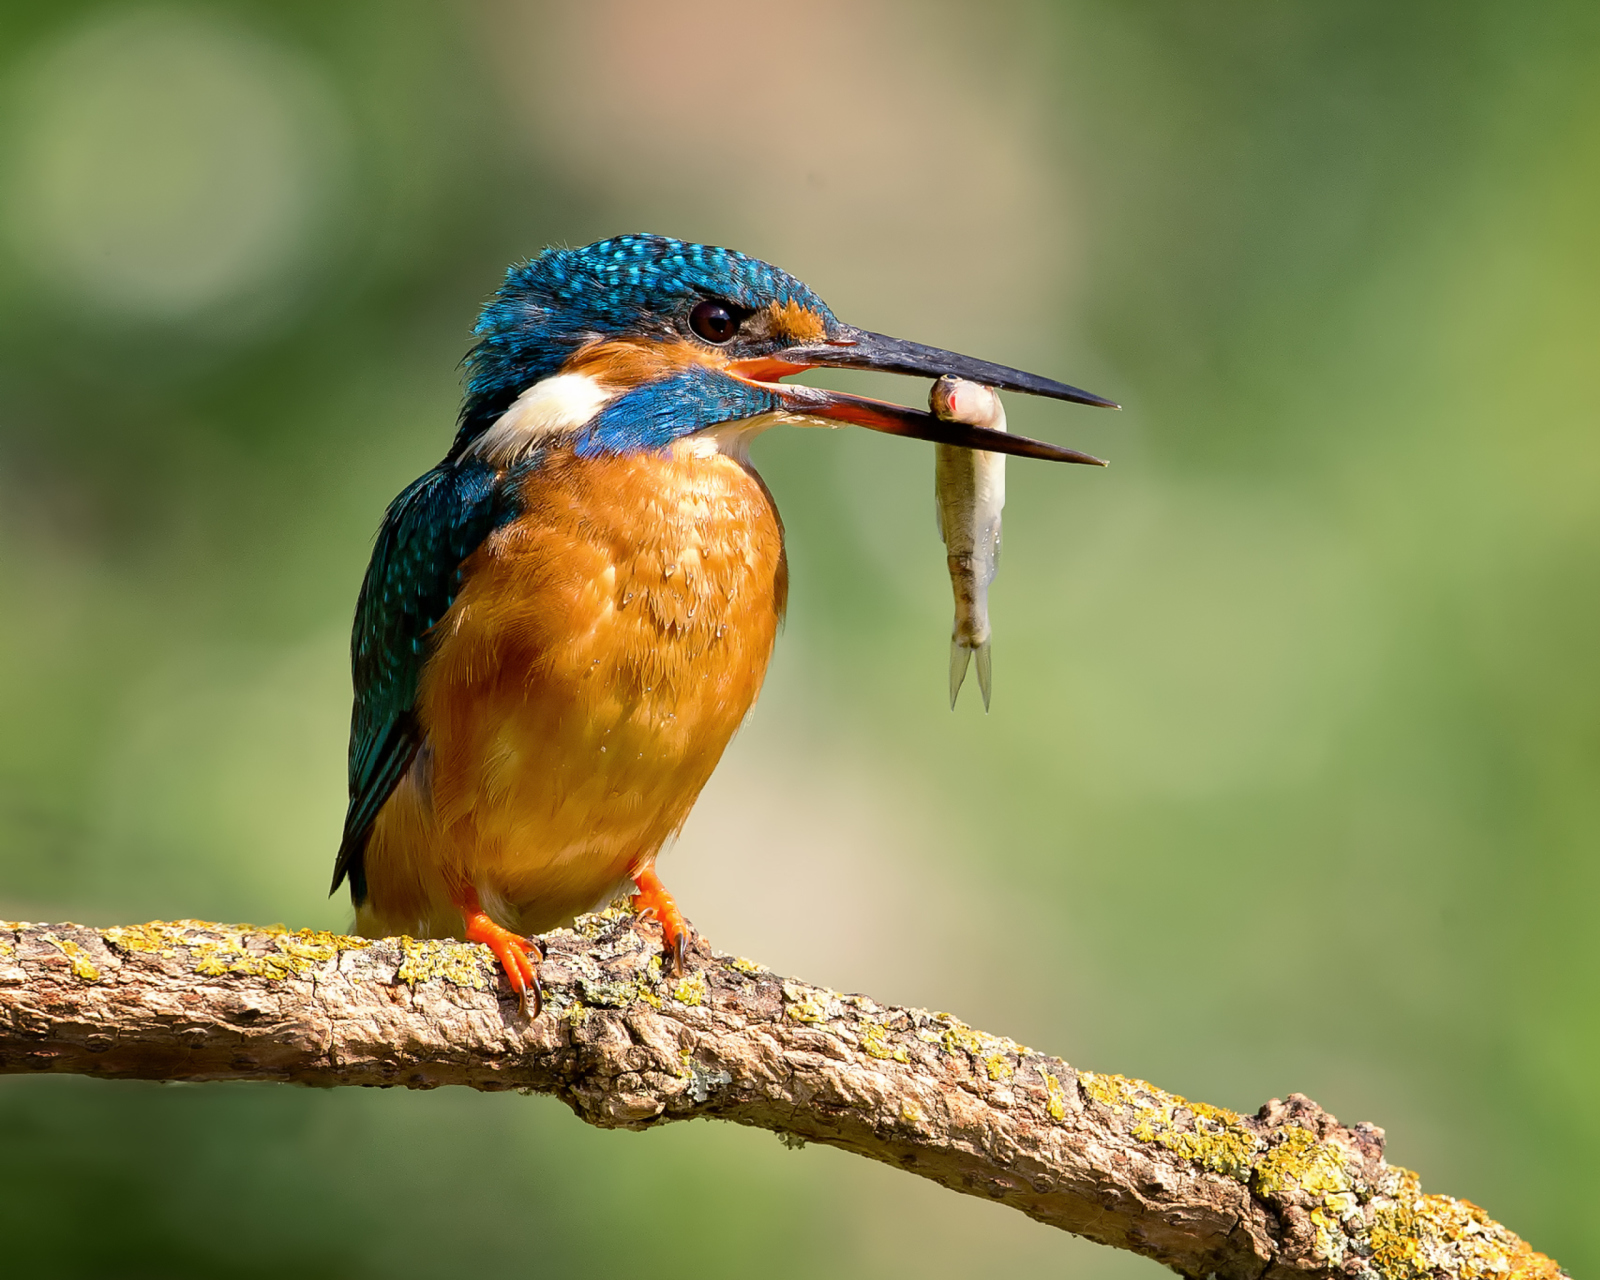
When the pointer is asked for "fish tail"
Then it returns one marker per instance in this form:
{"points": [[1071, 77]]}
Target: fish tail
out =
{"points": [[960, 655], [983, 674]]}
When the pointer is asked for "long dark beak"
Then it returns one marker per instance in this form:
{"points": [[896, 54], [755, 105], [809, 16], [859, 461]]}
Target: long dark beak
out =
{"points": [[859, 349]]}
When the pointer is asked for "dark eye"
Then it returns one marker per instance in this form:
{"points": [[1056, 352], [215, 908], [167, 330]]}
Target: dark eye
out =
{"points": [[713, 322]]}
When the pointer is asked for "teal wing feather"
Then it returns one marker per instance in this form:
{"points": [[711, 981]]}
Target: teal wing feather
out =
{"points": [[416, 571]]}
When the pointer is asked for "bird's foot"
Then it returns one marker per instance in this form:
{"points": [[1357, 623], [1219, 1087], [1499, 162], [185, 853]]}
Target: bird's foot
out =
{"points": [[653, 900], [518, 956]]}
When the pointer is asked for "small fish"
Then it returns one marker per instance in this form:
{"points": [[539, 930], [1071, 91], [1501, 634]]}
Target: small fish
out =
{"points": [[969, 489]]}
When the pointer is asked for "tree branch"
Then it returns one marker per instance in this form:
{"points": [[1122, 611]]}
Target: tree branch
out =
{"points": [[1288, 1192]]}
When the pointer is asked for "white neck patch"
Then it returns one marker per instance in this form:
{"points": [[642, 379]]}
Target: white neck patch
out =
{"points": [[551, 407], [730, 439]]}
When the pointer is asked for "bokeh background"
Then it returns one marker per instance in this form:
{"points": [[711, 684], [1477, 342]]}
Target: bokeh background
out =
{"points": [[1290, 782]]}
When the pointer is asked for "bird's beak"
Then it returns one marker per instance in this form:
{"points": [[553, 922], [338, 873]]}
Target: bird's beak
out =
{"points": [[859, 349]]}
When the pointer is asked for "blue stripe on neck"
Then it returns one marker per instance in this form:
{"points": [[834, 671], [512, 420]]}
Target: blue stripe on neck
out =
{"points": [[654, 415]]}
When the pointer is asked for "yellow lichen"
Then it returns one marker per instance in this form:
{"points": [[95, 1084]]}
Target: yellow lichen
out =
{"points": [[1216, 1141], [1301, 1162], [6, 949], [648, 980], [230, 956], [805, 1005], [227, 953], [317, 944], [163, 939], [423, 959], [82, 967], [747, 966], [1396, 1251], [909, 1112], [992, 1053], [1055, 1099], [874, 1039], [592, 924], [875, 1042], [292, 955], [691, 990], [614, 994], [619, 993], [1415, 1236], [644, 986], [958, 1035]]}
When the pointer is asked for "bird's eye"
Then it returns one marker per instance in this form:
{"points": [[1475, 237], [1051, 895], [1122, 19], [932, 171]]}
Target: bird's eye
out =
{"points": [[713, 322]]}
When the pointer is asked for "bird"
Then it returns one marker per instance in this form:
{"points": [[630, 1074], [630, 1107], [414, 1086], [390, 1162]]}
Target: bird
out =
{"points": [[564, 622]]}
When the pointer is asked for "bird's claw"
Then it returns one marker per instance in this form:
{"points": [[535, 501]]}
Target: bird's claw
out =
{"points": [[519, 957], [654, 902]]}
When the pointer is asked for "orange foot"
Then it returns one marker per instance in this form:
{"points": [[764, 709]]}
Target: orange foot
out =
{"points": [[518, 956], [654, 900]]}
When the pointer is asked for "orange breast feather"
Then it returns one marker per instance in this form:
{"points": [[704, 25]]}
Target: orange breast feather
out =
{"points": [[604, 649]]}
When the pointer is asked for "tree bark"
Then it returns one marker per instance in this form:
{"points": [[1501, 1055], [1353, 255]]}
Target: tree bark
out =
{"points": [[1288, 1192]]}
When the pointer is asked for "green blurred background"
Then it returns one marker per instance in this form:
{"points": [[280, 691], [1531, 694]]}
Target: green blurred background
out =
{"points": [[1290, 782]]}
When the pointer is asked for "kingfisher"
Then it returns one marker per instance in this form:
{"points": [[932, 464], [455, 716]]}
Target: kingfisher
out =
{"points": [[565, 621]]}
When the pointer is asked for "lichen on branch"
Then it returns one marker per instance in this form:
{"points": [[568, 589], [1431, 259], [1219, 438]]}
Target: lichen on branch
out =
{"points": [[1287, 1192]]}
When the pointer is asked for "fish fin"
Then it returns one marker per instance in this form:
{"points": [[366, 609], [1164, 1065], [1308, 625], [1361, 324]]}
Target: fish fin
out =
{"points": [[983, 674], [960, 655]]}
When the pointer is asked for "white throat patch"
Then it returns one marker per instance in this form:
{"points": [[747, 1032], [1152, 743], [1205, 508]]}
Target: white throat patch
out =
{"points": [[552, 407], [730, 439]]}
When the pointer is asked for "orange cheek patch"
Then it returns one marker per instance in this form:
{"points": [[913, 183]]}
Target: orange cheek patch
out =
{"points": [[621, 363], [797, 323]]}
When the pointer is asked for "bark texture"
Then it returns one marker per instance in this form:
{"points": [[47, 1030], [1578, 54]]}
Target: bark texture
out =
{"points": [[1288, 1192]]}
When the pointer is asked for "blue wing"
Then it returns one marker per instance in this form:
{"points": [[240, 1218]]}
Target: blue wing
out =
{"points": [[415, 573]]}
